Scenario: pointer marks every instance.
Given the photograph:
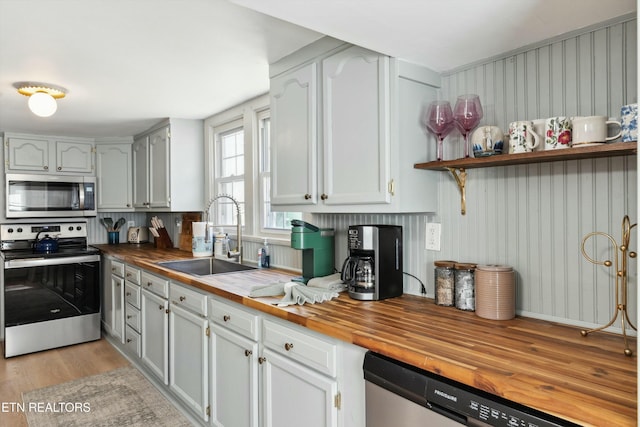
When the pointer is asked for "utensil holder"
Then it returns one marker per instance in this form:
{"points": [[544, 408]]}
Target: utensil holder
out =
{"points": [[113, 237], [163, 241]]}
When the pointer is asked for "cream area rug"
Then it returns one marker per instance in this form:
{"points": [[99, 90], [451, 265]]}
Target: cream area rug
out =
{"points": [[122, 397]]}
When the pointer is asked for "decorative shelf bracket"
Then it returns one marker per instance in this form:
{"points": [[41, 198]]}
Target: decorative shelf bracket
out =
{"points": [[461, 180]]}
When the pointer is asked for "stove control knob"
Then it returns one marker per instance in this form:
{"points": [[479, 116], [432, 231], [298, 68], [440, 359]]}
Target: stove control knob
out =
{"points": [[70, 228], [10, 230], [78, 228], [19, 230]]}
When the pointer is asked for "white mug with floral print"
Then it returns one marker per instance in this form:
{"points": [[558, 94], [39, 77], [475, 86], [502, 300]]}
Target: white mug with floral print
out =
{"points": [[557, 133], [522, 137]]}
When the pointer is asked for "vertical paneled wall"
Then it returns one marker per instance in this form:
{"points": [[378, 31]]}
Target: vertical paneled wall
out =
{"points": [[534, 217]]}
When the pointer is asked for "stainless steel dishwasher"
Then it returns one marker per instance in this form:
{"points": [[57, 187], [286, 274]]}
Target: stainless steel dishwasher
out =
{"points": [[400, 395]]}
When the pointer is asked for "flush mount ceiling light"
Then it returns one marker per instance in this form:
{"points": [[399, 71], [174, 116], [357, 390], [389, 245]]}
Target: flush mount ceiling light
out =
{"points": [[42, 97]]}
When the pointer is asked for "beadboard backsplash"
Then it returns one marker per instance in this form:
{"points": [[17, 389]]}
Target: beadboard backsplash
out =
{"points": [[534, 217]]}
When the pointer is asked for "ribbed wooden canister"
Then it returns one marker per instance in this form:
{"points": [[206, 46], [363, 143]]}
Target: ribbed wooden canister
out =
{"points": [[495, 292]]}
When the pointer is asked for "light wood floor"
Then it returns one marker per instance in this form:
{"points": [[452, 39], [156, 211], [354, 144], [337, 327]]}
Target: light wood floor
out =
{"points": [[33, 371]]}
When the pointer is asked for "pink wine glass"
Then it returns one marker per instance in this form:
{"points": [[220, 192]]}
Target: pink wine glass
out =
{"points": [[439, 120], [467, 115]]}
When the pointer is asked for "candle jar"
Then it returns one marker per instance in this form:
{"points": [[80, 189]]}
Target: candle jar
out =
{"points": [[444, 282], [464, 286]]}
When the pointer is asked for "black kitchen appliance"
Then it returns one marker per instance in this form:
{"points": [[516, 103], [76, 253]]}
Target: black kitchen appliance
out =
{"points": [[50, 292], [373, 269]]}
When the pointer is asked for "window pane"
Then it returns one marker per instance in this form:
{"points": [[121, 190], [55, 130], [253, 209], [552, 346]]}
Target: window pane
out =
{"points": [[231, 153]]}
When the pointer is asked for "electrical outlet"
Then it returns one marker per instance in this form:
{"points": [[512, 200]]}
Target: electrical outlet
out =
{"points": [[131, 223], [433, 236]]}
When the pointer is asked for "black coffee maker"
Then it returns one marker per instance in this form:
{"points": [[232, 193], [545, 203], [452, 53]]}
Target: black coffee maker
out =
{"points": [[373, 269]]}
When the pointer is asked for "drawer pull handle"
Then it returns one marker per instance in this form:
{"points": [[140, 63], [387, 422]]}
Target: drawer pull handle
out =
{"points": [[129, 316], [113, 269], [183, 298], [288, 346], [128, 274], [129, 340], [261, 360], [226, 317], [149, 283], [248, 353]]}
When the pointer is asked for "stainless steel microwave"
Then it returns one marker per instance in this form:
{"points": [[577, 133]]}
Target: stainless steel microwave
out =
{"points": [[38, 196]]}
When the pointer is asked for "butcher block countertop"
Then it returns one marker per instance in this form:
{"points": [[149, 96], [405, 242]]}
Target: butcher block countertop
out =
{"points": [[547, 366]]}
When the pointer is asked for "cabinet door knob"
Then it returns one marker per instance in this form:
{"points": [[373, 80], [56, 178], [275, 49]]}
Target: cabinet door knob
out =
{"points": [[128, 294], [288, 346], [261, 360], [113, 269], [129, 316], [129, 340], [324, 196], [183, 298], [307, 196], [46, 168], [128, 205], [161, 307], [59, 168], [248, 353], [226, 317], [149, 283]]}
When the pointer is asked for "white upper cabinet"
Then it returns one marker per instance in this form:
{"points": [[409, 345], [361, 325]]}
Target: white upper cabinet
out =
{"points": [[294, 157], [114, 177], [356, 127], [42, 154], [168, 167], [346, 131]]}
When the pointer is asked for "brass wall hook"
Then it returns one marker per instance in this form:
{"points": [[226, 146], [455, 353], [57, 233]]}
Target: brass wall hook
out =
{"points": [[620, 278]]}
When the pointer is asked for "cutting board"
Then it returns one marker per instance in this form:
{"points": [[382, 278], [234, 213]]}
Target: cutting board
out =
{"points": [[187, 229]]}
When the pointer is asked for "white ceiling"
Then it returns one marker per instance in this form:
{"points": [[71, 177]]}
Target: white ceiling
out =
{"points": [[128, 64]]}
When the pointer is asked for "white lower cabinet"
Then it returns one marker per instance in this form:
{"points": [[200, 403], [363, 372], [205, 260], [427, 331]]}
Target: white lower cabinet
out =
{"points": [[155, 334], [234, 373], [267, 373], [234, 365], [292, 392], [117, 301], [189, 348], [298, 378]]}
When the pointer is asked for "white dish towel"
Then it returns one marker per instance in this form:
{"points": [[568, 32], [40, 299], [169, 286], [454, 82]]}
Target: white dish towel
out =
{"points": [[317, 290]]}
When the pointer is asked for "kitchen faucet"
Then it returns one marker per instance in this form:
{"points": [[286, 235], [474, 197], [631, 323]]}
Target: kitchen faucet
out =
{"points": [[207, 233]]}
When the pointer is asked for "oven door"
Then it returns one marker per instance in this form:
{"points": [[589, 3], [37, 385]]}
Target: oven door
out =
{"points": [[43, 289]]}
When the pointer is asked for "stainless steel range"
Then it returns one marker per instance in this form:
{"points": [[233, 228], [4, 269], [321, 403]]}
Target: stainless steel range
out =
{"points": [[50, 286]]}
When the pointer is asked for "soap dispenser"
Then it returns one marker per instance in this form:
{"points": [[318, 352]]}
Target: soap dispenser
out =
{"points": [[264, 260]]}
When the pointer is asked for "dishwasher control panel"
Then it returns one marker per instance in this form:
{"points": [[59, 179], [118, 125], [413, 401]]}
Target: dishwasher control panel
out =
{"points": [[456, 401]]}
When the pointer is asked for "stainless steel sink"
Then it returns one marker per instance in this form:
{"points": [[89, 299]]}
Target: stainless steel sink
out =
{"points": [[204, 266]]}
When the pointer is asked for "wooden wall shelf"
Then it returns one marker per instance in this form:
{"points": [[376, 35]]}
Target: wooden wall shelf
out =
{"points": [[604, 150], [458, 167]]}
